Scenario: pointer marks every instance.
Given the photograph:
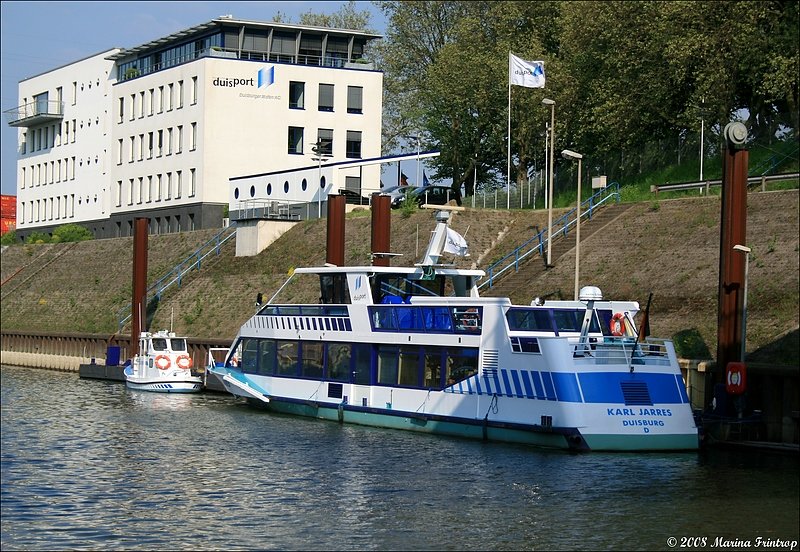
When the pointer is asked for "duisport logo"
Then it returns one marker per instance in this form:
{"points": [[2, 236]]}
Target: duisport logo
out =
{"points": [[265, 76]]}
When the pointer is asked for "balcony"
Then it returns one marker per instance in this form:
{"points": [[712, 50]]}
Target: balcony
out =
{"points": [[35, 113]]}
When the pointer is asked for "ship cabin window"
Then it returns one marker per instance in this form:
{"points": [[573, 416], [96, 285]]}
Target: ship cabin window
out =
{"points": [[159, 344], [333, 289], [413, 366], [400, 285], [178, 345], [549, 320], [424, 319]]}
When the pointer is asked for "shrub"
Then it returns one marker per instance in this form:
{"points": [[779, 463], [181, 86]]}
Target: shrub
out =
{"points": [[38, 237], [9, 238], [71, 233]]}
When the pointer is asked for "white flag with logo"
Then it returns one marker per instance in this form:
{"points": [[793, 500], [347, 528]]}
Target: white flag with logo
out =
{"points": [[455, 243], [525, 73]]}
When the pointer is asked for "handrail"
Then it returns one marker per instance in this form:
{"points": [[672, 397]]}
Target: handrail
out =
{"points": [[561, 225], [655, 188], [178, 271]]}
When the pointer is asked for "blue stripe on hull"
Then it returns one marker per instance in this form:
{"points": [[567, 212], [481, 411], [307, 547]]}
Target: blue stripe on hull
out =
{"points": [[571, 387]]}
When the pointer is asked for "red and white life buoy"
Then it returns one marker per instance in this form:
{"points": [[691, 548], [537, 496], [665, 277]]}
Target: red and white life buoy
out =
{"points": [[184, 362], [617, 325], [735, 378], [162, 362]]}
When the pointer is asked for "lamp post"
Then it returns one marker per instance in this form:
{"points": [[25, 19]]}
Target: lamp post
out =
{"points": [[552, 105], [746, 250], [572, 155], [702, 133], [475, 180], [319, 156]]}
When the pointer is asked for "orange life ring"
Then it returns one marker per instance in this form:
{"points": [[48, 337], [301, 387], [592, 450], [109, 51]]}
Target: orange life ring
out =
{"points": [[162, 362], [185, 362], [617, 325]]}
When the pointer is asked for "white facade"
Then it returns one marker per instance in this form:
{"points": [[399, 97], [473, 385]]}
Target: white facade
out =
{"points": [[163, 143], [62, 166]]}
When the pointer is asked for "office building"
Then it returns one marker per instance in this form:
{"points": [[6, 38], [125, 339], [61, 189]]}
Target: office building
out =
{"points": [[158, 130]]}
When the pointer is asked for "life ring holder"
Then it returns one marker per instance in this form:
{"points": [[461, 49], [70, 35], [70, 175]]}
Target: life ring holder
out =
{"points": [[184, 362], [162, 362], [617, 325]]}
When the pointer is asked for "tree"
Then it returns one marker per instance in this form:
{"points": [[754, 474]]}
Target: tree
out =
{"points": [[348, 17]]}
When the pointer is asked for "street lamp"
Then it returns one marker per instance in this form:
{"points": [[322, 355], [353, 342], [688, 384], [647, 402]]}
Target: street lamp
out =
{"points": [[319, 156], [552, 105], [746, 250], [702, 133], [572, 155]]}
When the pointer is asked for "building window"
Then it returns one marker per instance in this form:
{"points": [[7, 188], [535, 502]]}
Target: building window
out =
{"points": [[121, 110], [159, 191], [310, 52], [74, 93], [149, 145], [130, 191], [169, 97], [141, 147], [325, 141], [140, 190], [193, 183], [179, 184], [119, 153], [179, 99], [297, 95], [353, 144], [132, 149], [141, 104], [149, 188], [295, 140], [160, 143], [160, 99], [194, 90], [179, 145], [169, 185], [74, 129], [326, 97], [119, 193], [193, 144], [169, 141], [355, 99], [132, 114]]}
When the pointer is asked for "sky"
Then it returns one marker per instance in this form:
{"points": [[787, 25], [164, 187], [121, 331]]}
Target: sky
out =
{"points": [[36, 37]]}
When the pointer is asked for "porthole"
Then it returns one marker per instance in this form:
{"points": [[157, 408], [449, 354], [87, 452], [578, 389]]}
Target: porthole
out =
{"points": [[286, 187], [269, 189], [305, 184], [322, 182], [236, 193], [252, 191]]}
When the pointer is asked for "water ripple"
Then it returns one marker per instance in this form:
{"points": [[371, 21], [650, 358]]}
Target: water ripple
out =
{"points": [[93, 465]]}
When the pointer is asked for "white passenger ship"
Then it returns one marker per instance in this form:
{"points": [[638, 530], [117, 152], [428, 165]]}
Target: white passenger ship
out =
{"points": [[417, 348]]}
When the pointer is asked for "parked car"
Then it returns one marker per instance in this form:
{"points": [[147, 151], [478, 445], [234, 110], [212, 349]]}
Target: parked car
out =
{"points": [[432, 194]]}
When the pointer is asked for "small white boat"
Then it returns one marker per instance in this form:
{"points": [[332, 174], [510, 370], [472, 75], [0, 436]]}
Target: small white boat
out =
{"points": [[163, 365]]}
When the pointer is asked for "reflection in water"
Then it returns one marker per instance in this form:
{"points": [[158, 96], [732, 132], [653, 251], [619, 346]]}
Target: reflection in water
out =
{"points": [[88, 464]]}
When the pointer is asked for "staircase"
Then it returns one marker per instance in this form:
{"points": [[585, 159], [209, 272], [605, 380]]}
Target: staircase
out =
{"points": [[521, 280]]}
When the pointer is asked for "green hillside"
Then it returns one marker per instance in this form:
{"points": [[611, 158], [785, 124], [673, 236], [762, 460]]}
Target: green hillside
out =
{"points": [[669, 248]]}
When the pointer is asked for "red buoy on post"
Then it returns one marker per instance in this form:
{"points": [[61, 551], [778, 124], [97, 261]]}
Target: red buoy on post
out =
{"points": [[735, 378]]}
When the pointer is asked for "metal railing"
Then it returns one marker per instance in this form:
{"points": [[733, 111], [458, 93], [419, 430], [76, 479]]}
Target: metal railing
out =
{"points": [[279, 209], [538, 242], [51, 108], [706, 184], [175, 276]]}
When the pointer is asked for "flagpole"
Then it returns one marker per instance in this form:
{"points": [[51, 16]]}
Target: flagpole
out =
{"points": [[508, 169]]}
